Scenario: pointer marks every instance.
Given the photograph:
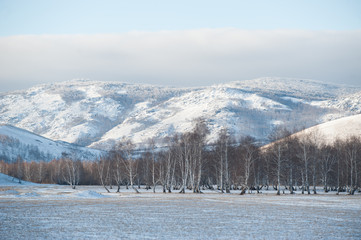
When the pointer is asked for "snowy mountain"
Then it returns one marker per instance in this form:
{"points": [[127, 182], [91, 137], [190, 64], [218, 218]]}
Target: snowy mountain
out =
{"points": [[99, 114], [351, 102], [15, 142]]}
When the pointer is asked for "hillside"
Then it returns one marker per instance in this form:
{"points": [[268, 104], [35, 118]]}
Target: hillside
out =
{"points": [[99, 114], [351, 102], [16, 142], [337, 129], [8, 181]]}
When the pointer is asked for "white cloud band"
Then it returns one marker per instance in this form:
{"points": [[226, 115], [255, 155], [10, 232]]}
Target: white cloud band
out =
{"points": [[182, 58]]}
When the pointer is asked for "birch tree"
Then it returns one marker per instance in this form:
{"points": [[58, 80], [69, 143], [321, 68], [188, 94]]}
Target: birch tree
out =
{"points": [[126, 148], [154, 177], [103, 167], [183, 155], [115, 162], [222, 165], [327, 161], [277, 150], [170, 164], [305, 154], [199, 135], [71, 171], [249, 154], [352, 149]]}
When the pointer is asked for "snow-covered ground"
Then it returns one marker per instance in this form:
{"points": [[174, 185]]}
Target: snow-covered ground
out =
{"points": [[88, 212]]}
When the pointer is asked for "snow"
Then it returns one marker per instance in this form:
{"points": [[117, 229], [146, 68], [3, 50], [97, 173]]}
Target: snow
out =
{"points": [[276, 122], [98, 114], [177, 114], [350, 103], [89, 212], [295, 87], [9, 192], [49, 148], [31, 194], [337, 129], [6, 180], [89, 194], [294, 100]]}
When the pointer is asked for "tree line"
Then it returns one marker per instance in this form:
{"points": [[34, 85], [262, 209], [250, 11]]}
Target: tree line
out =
{"points": [[290, 163]]}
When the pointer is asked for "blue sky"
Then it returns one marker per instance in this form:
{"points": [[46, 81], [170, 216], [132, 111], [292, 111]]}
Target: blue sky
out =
{"points": [[183, 43], [18, 17]]}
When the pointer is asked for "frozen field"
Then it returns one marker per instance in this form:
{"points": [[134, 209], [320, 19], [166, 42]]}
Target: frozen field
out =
{"points": [[58, 212]]}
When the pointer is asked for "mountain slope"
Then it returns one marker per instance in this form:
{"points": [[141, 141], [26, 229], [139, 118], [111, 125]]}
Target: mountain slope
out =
{"points": [[219, 106], [99, 114], [337, 129], [15, 142], [76, 111], [350, 102]]}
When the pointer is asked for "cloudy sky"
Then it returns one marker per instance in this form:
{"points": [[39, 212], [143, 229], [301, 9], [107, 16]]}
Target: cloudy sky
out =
{"points": [[183, 43]]}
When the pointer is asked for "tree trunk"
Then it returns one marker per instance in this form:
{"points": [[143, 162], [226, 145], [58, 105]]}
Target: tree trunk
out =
{"points": [[291, 182]]}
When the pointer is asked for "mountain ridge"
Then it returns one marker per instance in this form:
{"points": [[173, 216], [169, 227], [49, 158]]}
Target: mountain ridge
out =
{"points": [[99, 114]]}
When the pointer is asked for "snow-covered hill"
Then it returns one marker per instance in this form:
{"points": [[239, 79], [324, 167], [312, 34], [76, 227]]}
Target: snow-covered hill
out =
{"points": [[76, 111], [6, 180], [330, 131], [219, 106], [15, 142], [99, 114]]}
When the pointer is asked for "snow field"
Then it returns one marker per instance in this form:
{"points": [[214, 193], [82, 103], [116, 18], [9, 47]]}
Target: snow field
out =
{"points": [[88, 212]]}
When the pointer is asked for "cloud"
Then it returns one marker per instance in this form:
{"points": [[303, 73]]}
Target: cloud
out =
{"points": [[181, 58]]}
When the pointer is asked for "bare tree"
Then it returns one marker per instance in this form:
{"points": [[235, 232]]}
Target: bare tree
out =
{"points": [[278, 149], [151, 143], [41, 171], [352, 149], [183, 155], [103, 166], [221, 149], [126, 147], [305, 154], [71, 170], [116, 162], [190, 156], [291, 161], [249, 154], [19, 165], [170, 157], [199, 136], [29, 171], [327, 161]]}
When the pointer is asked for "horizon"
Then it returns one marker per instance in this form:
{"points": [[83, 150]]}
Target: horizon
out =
{"points": [[176, 87]]}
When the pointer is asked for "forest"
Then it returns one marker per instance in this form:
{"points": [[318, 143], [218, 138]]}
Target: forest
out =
{"points": [[289, 164]]}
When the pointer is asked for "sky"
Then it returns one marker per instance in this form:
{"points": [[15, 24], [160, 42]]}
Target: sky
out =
{"points": [[178, 43]]}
